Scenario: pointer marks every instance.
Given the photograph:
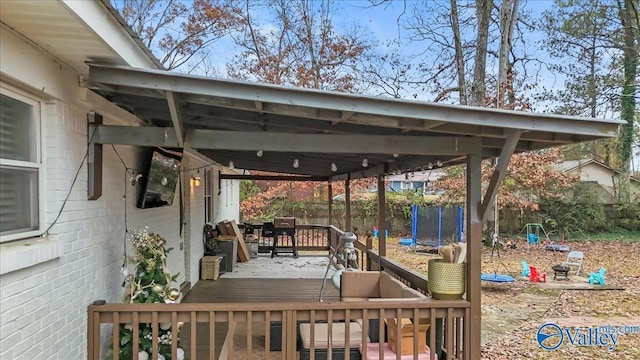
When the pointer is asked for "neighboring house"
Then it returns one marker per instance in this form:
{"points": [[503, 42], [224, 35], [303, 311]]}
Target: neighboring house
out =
{"points": [[599, 178], [46, 282], [417, 181]]}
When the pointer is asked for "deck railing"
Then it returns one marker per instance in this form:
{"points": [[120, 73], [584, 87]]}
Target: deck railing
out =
{"points": [[309, 237], [251, 325]]}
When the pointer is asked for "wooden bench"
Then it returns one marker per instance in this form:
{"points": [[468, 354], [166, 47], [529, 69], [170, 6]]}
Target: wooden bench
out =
{"points": [[338, 341]]}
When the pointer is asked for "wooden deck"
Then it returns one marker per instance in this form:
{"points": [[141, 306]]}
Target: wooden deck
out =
{"points": [[247, 291]]}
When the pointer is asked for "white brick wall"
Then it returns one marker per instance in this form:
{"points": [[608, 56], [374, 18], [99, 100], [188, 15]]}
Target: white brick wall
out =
{"points": [[46, 284], [43, 303]]}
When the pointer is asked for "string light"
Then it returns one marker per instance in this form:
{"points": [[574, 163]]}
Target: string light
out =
{"points": [[439, 163], [296, 163], [365, 162], [334, 167], [430, 166], [231, 166], [396, 155], [259, 153]]}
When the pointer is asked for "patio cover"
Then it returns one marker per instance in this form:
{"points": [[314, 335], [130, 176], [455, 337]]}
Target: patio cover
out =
{"points": [[229, 120]]}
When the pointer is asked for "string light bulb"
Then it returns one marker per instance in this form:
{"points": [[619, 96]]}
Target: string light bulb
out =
{"points": [[439, 163], [259, 153], [334, 167], [395, 155], [430, 166], [296, 163], [231, 166], [365, 162]]}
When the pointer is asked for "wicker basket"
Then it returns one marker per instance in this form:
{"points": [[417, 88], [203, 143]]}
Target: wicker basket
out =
{"points": [[446, 280]]}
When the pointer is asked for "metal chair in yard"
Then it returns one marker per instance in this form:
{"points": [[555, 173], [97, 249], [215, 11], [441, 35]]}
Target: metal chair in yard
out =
{"points": [[575, 258]]}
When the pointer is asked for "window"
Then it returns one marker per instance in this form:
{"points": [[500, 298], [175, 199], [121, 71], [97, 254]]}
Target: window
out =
{"points": [[21, 211], [208, 198], [406, 185]]}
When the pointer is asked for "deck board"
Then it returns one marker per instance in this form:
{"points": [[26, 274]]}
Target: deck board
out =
{"points": [[232, 290]]}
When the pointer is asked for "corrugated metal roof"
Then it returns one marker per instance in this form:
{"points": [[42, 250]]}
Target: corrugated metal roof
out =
{"points": [[231, 109]]}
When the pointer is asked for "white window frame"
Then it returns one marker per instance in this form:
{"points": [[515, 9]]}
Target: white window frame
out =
{"points": [[406, 185], [39, 165]]}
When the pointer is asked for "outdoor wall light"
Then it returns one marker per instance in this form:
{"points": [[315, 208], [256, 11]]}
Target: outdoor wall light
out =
{"points": [[296, 163], [196, 180]]}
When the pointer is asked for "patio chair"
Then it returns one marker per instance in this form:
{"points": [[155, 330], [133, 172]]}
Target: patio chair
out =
{"points": [[525, 270], [574, 258], [537, 276], [597, 278]]}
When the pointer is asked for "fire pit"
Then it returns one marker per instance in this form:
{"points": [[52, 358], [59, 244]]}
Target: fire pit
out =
{"points": [[561, 272]]}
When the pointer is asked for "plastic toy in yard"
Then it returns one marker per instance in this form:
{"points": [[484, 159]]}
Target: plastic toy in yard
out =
{"points": [[562, 247], [495, 277], [597, 278], [525, 270], [535, 233], [536, 276]]}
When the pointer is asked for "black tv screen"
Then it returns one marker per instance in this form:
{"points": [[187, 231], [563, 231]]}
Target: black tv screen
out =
{"points": [[159, 184]]}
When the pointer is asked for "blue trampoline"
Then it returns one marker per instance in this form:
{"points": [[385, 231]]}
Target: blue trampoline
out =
{"points": [[434, 226], [497, 278]]}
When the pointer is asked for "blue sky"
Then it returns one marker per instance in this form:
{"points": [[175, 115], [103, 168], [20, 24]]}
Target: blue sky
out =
{"points": [[382, 24]]}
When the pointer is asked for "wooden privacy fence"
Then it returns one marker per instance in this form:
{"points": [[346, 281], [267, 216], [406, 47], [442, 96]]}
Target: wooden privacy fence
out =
{"points": [[257, 320]]}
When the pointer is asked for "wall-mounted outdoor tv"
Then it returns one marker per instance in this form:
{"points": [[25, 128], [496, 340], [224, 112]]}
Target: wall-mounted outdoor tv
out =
{"points": [[159, 184]]}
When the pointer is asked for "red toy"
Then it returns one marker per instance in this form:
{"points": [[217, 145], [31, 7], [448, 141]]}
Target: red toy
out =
{"points": [[536, 276]]}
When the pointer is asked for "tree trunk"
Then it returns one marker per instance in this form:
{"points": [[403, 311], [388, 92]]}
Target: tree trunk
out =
{"points": [[508, 18], [455, 28], [628, 13], [483, 12]]}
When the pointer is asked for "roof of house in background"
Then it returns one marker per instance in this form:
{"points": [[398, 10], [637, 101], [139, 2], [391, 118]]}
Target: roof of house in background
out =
{"points": [[421, 176], [571, 165]]}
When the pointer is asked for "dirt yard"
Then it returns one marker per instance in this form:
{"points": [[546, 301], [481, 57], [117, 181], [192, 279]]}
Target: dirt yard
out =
{"points": [[513, 312]]}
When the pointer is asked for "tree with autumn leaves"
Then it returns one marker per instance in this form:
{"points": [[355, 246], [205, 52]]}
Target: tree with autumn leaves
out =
{"points": [[259, 202], [299, 44], [531, 177]]}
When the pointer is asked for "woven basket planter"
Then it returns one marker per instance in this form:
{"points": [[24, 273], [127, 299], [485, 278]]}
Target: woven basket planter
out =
{"points": [[446, 280]]}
